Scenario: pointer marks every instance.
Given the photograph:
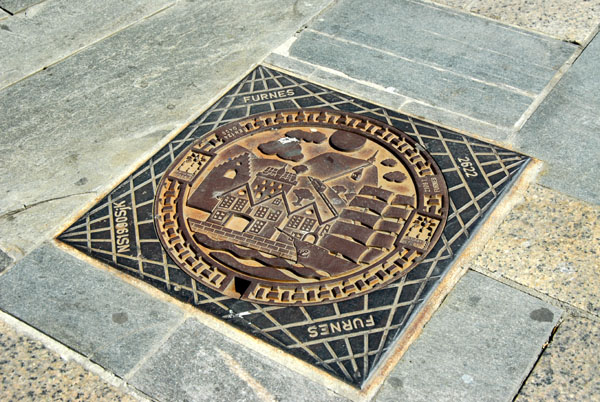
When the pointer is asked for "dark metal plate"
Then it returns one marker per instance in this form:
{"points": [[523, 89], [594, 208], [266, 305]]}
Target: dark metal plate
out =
{"points": [[346, 338], [301, 207]]}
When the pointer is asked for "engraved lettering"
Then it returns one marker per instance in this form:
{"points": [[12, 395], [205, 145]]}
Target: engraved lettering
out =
{"points": [[121, 226], [341, 326], [467, 167], [358, 321], [324, 329], [269, 95]]}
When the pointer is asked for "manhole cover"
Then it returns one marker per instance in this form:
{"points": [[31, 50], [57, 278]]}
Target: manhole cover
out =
{"points": [[301, 206], [341, 327]]}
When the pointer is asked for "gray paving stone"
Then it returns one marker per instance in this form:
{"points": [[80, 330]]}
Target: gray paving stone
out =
{"points": [[3, 14], [460, 64], [479, 346], [53, 30], [448, 40], [563, 131], [15, 6], [437, 88], [85, 308], [388, 98], [5, 260], [70, 130], [199, 364]]}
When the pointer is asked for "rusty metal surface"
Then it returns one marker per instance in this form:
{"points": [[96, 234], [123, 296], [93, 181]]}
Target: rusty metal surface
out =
{"points": [[301, 207], [347, 338]]}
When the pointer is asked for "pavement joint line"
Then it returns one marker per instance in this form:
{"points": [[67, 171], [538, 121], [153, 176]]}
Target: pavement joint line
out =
{"points": [[543, 349], [432, 66], [180, 126], [90, 44], [6, 11], [550, 86], [68, 354], [483, 233], [569, 308], [474, 247], [408, 100], [25, 207], [143, 158], [466, 11], [236, 335], [155, 348], [234, 367], [28, 7]]}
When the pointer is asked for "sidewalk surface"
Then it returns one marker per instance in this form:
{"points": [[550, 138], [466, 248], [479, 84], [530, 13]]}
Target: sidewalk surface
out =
{"points": [[89, 90]]}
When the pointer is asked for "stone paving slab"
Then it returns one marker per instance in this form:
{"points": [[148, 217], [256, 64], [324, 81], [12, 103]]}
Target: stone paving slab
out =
{"points": [[15, 6], [454, 42], [569, 368], [563, 19], [5, 260], [110, 103], [563, 131], [30, 371], [383, 96], [85, 308], [551, 243], [459, 64], [479, 346], [53, 30], [219, 370]]}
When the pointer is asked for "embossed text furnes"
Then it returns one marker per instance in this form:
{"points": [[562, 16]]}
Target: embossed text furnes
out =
{"points": [[301, 206]]}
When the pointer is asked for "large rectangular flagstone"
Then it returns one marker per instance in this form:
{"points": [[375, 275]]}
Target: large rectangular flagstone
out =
{"points": [[85, 308], [199, 364], [479, 346], [53, 30], [450, 64], [563, 131], [72, 129]]}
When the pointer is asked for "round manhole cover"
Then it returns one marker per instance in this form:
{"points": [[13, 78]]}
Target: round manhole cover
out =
{"points": [[301, 207]]}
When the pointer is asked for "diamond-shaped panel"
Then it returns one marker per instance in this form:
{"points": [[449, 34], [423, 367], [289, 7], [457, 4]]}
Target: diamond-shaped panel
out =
{"points": [[348, 338]]}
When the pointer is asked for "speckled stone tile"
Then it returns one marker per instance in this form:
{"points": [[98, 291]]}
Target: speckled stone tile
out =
{"points": [[31, 372], [569, 369], [563, 19], [550, 243]]}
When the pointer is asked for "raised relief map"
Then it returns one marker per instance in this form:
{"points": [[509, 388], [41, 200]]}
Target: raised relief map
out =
{"points": [[301, 207]]}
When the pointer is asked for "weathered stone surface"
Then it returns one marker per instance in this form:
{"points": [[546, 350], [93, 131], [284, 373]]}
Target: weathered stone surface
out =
{"points": [[53, 30], [453, 65], [438, 88], [15, 6], [563, 131], [456, 43], [87, 309], [29, 371], [569, 367], [196, 364], [566, 20], [386, 96], [80, 124], [550, 243], [5, 260], [479, 346]]}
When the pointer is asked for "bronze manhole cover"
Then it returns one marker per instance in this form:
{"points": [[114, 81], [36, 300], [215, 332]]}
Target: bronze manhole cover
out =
{"points": [[301, 207]]}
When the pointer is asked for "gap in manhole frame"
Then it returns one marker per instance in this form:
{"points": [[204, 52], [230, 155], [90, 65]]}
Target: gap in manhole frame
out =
{"points": [[231, 315]]}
